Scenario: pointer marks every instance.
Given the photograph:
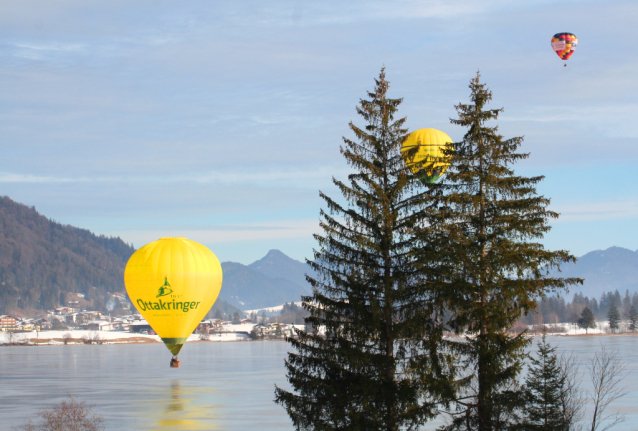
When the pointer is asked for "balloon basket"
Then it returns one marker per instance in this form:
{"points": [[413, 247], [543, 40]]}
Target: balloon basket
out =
{"points": [[174, 363]]}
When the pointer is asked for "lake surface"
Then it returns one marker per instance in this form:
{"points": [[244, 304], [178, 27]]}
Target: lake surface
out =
{"points": [[220, 386]]}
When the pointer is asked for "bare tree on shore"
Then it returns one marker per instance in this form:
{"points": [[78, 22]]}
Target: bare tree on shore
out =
{"points": [[570, 397], [14, 338], [11, 338], [204, 335], [607, 373], [95, 337], [69, 415]]}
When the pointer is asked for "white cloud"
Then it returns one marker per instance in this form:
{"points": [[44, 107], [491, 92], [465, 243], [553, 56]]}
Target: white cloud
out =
{"points": [[51, 46], [285, 229], [598, 211], [619, 112], [26, 178], [609, 120], [292, 177]]}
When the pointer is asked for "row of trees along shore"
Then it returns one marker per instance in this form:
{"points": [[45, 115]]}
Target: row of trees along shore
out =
{"points": [[401, 262], [554, 309]]}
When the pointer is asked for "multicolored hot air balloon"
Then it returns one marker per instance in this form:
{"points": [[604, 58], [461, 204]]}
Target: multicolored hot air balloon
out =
{"points": [[173, 282], [564, 45], [427, 164]]}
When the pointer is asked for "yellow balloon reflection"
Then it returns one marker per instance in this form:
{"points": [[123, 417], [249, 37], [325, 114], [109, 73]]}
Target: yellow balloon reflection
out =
{"points": [[180, 412]]}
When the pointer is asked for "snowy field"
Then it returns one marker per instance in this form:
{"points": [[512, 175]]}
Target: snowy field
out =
{"points": [[233, 333], [236, 333], [602, 328], [275, 309]]}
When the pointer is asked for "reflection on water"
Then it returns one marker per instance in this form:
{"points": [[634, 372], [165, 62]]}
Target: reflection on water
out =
{"points": [[220, 386], [175, 403], [182, 409]]}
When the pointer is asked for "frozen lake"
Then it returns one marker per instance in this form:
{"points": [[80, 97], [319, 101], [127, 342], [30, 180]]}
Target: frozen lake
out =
{"points": [[220, 386]]}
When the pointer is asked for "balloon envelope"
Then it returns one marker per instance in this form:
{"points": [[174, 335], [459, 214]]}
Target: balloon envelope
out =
{"points": [[564, 44], [173, 282], [427, 164]]}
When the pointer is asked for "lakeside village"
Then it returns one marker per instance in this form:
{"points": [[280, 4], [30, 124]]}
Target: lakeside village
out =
{"points": [[69, 325]]}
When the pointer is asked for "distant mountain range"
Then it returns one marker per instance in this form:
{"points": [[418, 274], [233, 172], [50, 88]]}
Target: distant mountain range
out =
{"points": [[41, 259], [268, 282], [276, 278], [604, 270]]}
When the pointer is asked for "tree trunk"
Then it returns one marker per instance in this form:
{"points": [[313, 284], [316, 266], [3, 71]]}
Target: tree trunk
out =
{"points": [[484, 366]]}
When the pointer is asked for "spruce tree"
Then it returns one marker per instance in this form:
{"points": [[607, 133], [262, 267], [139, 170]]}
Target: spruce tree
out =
{"points": [[613, 317], [545, 387], [587, 320], [632, 317], [482, 256], [369, 370]]}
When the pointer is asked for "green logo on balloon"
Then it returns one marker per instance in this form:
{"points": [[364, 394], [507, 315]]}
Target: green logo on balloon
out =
{"points": [[165, 289]]}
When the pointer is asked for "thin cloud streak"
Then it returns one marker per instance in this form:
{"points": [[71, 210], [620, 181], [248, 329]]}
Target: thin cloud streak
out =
{"points": [[287, 229], [34, 179], [292, 178], [598, 211], [52, 46]]}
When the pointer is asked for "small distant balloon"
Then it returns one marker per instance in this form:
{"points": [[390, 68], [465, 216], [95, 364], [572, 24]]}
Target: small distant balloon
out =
{"points": [[564, 45], [428, 163]]}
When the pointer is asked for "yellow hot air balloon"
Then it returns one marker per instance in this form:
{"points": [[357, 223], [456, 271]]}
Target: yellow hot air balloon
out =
{"points": [[427, 164], [173, 282]]}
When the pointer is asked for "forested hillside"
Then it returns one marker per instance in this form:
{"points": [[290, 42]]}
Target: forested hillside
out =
{"points": [[40, 259]]}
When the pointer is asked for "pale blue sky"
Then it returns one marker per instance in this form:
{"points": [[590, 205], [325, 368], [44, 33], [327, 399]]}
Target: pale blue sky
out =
{"points": [[220, 121]]}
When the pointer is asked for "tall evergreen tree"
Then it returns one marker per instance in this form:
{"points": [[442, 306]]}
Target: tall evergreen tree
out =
{"points": [[632, 317], [483, 258], [218, 314], [236, 318], [613, 317], [587, 320], [369, 370], [546, 388]]}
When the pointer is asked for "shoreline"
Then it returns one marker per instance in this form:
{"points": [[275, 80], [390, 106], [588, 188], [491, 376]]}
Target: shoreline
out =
{"points": [[60, 342], [622, 334], [151, 339], [84, 337]]}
